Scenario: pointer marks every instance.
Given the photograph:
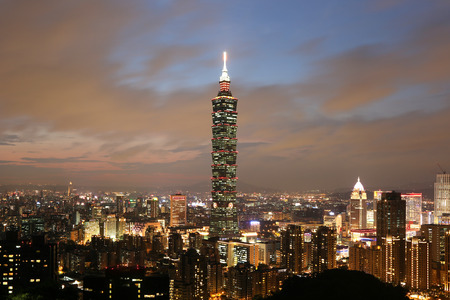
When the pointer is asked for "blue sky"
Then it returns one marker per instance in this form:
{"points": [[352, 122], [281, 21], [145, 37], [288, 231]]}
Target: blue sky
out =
{"points": [[115, 92]]}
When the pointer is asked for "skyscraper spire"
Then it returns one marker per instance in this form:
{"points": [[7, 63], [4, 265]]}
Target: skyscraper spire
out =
{"points": [[224, 80], [224, 61]]}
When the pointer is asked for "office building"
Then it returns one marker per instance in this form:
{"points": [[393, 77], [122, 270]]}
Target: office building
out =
{"points": [[120, 204], [175, 245], [391, 235], [358, 207], [413, 209], [178, 210], [223, 221], [391, 216], [376, 197], [153, 207], [232, 253], [441, 196]]}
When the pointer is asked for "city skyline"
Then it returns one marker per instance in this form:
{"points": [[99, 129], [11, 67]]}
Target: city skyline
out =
{"points": [[104, 93]]}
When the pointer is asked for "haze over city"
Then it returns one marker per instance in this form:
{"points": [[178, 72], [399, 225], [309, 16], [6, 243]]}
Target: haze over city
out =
{"points": [[118, 92]]}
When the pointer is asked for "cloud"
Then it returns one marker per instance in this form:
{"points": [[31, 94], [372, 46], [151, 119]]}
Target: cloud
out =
{"points": [[373, 72], [111, 92], [53, 160], [9, 139]]}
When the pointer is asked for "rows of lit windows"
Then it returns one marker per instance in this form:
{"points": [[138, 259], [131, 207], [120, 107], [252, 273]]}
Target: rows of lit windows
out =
{"points": [[222, 144]]}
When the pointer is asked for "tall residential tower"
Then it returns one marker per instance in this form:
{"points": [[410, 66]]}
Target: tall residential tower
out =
{"points": [[224, 116]]}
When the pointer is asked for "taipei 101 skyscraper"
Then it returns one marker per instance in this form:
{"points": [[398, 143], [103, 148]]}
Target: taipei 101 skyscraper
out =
{"points": [[223, 222]]}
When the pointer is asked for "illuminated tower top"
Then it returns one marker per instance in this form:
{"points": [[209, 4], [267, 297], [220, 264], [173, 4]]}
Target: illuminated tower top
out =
{"points": [[358, 186], [224, 80]]}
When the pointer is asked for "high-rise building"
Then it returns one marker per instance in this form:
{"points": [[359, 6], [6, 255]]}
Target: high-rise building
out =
{"points": [[26, 263], [215, 278], [175, 244], [435, 233], [418, 264], [191, 283], [69, 189], [292, 251], [264, 281], [223, 222], [239, 281], [391, 234], [413, 208], [447, 263], [441, 195], [178, 210], [365, 258], [358, 207], [324, 249], [392, 259], [232, 253], [120, 204], [376, 197], [153, 207], [391, 216]]}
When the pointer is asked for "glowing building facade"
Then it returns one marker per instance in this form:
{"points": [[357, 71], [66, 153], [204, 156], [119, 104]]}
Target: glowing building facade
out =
{"points": [[358, 207], [413, 209], [224, 116], [178, 210], [441, 196]]}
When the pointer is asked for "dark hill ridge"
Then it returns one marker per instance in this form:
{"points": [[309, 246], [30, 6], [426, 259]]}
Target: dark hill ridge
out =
{"points": [[339, 284]]}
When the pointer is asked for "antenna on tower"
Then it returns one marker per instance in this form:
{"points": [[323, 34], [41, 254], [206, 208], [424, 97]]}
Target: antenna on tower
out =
{"points": [[224, 60], [443, 171]]}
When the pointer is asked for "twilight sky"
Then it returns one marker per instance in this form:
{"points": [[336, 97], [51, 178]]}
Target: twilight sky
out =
{"points": [[118, 92]]}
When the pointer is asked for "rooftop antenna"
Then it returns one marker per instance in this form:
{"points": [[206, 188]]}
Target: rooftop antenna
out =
{"points": [[443, 171]]}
